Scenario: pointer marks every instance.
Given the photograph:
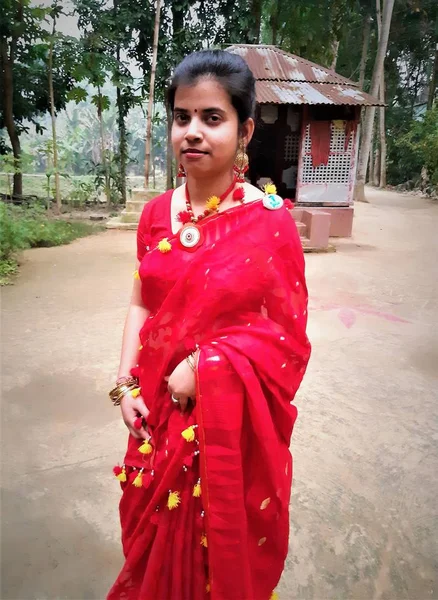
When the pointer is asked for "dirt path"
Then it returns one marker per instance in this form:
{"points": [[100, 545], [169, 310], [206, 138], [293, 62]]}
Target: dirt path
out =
{"points": [[364, 510]]}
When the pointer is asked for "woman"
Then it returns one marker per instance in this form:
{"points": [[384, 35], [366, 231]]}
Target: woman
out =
{"points": [[214, 349]]}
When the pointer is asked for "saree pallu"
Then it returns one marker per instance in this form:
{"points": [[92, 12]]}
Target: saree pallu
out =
{"points": [[210, 518]]}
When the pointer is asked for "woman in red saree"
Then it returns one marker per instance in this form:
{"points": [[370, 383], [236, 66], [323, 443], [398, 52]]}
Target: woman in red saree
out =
{"points": [[216, 336]]}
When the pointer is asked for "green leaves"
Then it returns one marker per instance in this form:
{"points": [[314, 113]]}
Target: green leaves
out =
{"points": [[101, 102], [77, 94]]}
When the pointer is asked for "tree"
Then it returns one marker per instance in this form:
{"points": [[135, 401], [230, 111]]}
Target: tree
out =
{"points": [[313, 30], [151, 95], [369, 117], [55, 11], [365, 45], [382, 130], [8, 56], [24, 51]]}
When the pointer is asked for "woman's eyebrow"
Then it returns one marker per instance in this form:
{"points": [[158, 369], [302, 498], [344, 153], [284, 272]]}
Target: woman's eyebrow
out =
{"points": [[204, 110], [213, 110]]}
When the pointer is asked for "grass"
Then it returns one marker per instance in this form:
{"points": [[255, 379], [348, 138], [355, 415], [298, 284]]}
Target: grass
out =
{"points": [[22, 228], [8, 269], [36, 184]]}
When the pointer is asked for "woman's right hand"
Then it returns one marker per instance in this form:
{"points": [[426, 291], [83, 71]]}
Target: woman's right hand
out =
{"points": [[131, 409]]}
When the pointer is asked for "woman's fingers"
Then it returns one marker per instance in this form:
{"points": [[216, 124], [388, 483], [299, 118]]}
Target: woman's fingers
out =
{"points": [[140, 406], [183, 400], [134, 432], [131, 408]]}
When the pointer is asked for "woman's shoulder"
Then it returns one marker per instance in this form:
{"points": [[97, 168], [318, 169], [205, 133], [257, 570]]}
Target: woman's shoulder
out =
{"points": [[252, 192]]}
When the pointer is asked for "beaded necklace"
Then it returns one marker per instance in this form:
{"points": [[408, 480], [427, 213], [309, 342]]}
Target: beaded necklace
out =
{"points": [[211, 206]]}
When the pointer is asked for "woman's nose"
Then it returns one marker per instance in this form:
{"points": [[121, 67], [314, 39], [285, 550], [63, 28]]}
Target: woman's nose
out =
{"points": [[194, 132]]}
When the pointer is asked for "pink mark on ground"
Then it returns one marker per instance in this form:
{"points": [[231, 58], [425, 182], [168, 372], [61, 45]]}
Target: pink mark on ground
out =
{"points": [[348, 314], [347, 317]]}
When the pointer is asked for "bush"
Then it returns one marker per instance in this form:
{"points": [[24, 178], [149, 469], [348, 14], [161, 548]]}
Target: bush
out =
{"points": [[415, 150], [22, 228], [83, 192]]}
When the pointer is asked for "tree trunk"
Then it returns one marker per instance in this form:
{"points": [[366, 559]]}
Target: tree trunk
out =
{"points": [[102, 149], [381, 157], [151, 95], [121, 113], [382, 181], [53, 119], [335, 51], [371, 157], [369, 118], [433, 77], [169, 176], [274, 22], [256, 13], [123, 145], [365, 45], [154, 180], [376, 175], [7, 80]]}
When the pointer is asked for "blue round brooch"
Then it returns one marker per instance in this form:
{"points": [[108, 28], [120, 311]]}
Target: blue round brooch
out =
{"points": [[272, 201]]}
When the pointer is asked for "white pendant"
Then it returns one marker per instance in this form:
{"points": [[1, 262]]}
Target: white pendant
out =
{"points": [[272, 201], [190, 236]]}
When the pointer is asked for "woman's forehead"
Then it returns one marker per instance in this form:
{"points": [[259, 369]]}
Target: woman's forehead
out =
{"points": [[205, 94]]}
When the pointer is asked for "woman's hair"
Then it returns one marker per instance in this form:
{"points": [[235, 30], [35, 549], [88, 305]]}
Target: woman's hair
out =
{"points": [[230, 70]]}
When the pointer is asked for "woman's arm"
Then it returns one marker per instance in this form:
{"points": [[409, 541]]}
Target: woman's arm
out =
{"points": [[135, 319], [137, 315]]}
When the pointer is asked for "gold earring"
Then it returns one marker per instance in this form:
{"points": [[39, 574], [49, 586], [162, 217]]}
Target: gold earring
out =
{"points": [[241, 163]]}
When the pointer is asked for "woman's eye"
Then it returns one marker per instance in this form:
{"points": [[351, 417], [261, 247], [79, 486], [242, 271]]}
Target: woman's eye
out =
{"points": [[213, 119], [181, 118]]}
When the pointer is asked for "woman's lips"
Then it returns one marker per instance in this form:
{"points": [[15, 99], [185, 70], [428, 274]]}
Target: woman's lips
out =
{"points": [[194, 154]]}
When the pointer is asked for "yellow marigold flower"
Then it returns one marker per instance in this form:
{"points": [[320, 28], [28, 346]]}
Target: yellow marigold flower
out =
{"points": [[270, 188], [135, 392], [274, 596], [164, 246], [174, 500], [213, 203], [197, 490], [136, 275]]}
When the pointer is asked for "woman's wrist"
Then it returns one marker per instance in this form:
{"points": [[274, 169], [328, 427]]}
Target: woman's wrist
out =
{"points": [[192, 358], [123, 379], [127, 386]]}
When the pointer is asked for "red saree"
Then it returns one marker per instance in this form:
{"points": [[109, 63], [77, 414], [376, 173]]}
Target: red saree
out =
{"points": [[210, 518]]}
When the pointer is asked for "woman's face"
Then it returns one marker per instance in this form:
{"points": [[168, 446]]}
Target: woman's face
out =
{"points": [[205, 128]]}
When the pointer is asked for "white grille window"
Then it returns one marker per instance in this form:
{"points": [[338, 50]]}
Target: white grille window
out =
{"points": [[337, 170], [291, 147]]}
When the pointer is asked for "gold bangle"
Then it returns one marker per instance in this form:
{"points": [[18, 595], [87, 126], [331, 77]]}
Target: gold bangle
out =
{"points": [[117, 393], [191, 361]]}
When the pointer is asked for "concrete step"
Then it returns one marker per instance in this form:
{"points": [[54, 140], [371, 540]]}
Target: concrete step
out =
{"points": [[140, 194], [307, 247], [129, 216], [302, 227], [116, 223], [135, 206]]}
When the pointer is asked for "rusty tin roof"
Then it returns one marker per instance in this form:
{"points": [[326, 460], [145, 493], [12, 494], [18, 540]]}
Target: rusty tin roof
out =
{"points": [[283, 78]]}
